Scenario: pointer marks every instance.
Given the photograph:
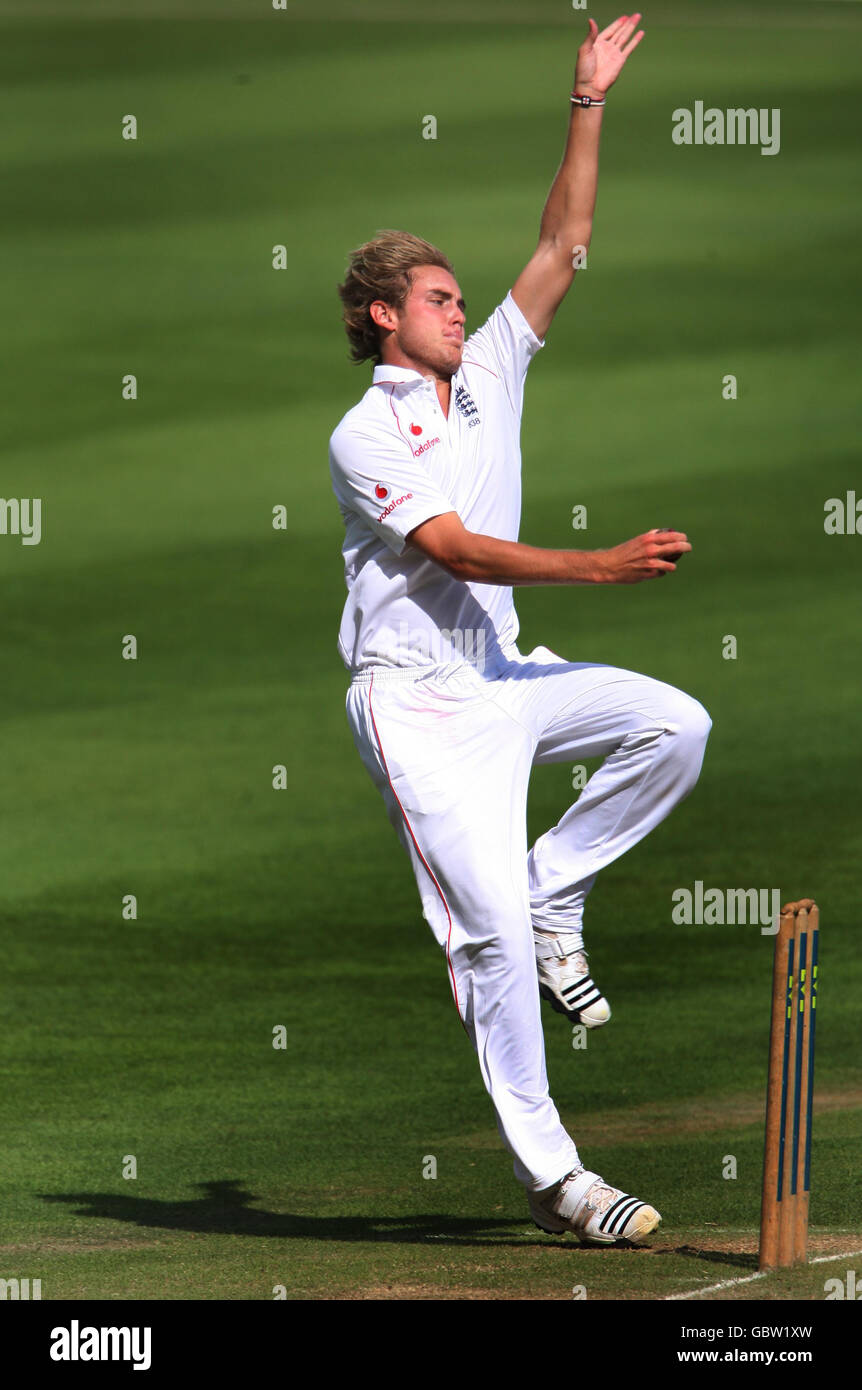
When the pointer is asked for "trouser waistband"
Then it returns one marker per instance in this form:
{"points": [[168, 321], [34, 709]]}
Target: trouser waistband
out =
{"points": [[366, 674]]}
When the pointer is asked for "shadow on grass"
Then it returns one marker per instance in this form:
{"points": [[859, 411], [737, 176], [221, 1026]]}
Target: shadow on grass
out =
{"points": [[740, 1258], [224, 1211]]}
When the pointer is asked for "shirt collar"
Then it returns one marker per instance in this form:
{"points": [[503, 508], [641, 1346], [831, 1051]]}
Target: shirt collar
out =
{"points": [[385, 375]]}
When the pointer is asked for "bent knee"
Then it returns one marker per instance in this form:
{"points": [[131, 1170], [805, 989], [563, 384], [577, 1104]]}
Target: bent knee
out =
{"points": [[683, 715], [689, 724], [696, 722]]}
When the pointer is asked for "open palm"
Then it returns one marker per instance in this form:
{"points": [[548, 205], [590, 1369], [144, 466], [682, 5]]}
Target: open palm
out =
{"points": [[602, 55]]}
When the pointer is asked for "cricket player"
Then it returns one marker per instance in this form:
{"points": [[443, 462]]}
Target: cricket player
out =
{"points": [[447, 714]]}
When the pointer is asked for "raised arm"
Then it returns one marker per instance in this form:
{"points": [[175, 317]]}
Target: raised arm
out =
{"points": [[567, 221]]}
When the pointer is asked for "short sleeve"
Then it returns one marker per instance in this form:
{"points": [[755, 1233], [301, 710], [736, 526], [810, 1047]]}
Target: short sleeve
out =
{"points": [[506, 345], [375, 478]]}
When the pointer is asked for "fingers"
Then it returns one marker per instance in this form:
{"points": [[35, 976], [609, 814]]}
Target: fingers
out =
{"points": [[587, 45], [669, 539], [613, 28], [665, 548], [630, 47], [663, 567], [621, 30], [651, 555], [625, 32]]}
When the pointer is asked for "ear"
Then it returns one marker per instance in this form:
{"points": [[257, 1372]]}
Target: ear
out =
{"points": [[381, 314]]}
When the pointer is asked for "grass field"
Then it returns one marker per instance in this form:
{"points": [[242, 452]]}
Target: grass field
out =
{"points": [[302, 1166]]}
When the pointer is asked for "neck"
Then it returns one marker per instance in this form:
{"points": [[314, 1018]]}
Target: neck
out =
{"points": [[443, 384]]}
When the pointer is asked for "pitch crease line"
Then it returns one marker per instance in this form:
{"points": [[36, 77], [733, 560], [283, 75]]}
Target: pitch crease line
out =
{"points": [[761, 1274]]}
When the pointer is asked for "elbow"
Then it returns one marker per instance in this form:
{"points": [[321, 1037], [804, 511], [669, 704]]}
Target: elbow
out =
{"points": [[576, 236], [458, 567], [453, 563], [456, 559], [448, 545], [462, 559]]}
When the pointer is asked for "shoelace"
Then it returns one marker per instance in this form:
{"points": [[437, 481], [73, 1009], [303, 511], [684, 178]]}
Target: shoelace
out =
{"points": [[579, 964], [608, 1195]]}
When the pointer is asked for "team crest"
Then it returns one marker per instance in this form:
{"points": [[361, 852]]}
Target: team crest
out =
{"points": [[465, 404]]}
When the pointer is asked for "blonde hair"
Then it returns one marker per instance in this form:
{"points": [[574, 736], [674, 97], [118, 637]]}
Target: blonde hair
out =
{"points": [[381, 269]]}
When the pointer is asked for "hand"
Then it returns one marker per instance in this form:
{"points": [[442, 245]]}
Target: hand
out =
{"points": [[601, 56], [645, 557]]}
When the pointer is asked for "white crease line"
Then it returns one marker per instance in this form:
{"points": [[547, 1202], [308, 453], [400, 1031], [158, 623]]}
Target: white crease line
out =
{"points": [[750, 1278], [728, 1284], [824, 1259]]}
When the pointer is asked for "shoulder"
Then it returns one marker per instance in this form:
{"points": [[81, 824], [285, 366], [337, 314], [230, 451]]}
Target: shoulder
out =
{"points": [[369, 433], [362, 420], [508, 320]]}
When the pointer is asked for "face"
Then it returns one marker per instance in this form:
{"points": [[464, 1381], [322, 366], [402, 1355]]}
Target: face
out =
{"points": [[428, 331]]}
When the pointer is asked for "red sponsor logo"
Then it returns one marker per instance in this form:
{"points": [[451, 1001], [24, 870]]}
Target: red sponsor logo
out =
{"points": [[415, 429], [387, 511], [429, 444], [381, 491]]}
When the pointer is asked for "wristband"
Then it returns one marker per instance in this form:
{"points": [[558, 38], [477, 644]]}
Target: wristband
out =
{"points": [[578, 100]]}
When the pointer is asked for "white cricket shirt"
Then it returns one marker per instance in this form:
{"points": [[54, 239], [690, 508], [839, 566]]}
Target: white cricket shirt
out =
{"points": [[396, 461]]}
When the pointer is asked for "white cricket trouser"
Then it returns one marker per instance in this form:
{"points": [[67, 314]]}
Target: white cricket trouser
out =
{"points": [[451, 753]]}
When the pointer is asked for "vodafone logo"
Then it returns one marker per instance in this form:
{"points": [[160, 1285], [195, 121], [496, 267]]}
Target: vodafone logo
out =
{"points": [[381, 492], [429, 444], [415, 429], [387, 511]]}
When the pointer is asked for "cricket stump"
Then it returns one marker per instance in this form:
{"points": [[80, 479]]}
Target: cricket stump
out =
{"points": [[789, 1092]]}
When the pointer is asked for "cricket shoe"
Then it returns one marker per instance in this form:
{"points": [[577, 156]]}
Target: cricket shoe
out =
{"points": [[596, 1213], [566, 983]]}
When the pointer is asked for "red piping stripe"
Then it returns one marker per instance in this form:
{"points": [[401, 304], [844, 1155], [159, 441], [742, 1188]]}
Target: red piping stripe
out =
{"points": [[398, 423], [419, 852]]}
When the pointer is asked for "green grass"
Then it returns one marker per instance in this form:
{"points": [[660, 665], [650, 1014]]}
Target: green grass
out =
{"points": [[258, 908]]}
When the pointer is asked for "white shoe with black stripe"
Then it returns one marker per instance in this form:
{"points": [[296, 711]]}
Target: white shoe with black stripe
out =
{"points": [[584, 1204], [565, 980]]}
